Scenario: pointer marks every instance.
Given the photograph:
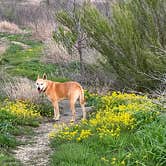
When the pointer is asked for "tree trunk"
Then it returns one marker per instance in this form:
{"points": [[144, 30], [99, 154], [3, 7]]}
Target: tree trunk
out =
{"points": [[81, 59]]}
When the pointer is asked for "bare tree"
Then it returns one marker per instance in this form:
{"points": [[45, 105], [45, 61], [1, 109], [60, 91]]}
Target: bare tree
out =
{"points": [[70, 32]]}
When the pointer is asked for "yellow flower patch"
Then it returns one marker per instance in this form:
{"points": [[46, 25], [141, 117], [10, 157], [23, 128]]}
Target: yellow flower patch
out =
{"points": [[21, 109], [84, 134], [115, 114]]}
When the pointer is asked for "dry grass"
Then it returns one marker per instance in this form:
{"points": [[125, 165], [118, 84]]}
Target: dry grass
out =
{"points": [[54, 53], [41, 30], [18, 88], [9, 27]]}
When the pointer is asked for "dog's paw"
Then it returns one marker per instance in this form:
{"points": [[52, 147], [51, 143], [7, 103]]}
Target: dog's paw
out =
{"points": [[57, 118]]}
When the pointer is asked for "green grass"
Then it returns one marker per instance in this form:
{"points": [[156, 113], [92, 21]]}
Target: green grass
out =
{"points": [[26, 62], [23, 38], [74, 154], [144, 147], [7, 160], [32, 69], [15, 54]]}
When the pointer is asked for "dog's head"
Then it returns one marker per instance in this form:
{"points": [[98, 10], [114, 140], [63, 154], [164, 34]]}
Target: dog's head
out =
{"points": [[41, 83]]}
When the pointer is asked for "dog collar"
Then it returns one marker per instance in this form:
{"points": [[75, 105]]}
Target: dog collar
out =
{"points": [[44, 90]]}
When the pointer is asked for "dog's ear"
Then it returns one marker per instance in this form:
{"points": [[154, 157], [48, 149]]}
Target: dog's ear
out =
{"points": [[38, 76], [44, 76]]}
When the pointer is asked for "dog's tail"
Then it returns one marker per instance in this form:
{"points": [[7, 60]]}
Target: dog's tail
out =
{"points": [[82, 98]]}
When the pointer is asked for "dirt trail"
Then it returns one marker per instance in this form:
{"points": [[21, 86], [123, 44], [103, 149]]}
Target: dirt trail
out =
{"points": [[37, 150]]}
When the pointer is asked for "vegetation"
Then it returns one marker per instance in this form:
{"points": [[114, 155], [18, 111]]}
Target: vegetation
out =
{"points": [[129, 38], [114, 135], [23, 60], [16, 118], [132, 42], [73, 39]]}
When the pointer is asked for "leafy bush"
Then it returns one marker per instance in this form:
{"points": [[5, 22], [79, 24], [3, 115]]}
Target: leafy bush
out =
{"points": [[92, 99], [132, 42]]}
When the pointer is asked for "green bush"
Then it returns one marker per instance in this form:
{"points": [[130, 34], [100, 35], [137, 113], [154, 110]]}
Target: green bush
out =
{"points": [[132, 42], [92, 100]]}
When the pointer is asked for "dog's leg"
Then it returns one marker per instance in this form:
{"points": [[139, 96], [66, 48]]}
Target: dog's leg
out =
{"points": [[72, 107], [56, 110], [82, 103], [54, 113], [83, 111]]}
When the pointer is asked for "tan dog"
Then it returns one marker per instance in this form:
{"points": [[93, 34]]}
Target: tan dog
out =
{"points": [[58, 91]]}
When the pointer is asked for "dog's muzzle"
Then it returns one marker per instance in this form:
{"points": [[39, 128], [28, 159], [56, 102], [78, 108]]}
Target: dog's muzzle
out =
{"points": [[39, 90]]}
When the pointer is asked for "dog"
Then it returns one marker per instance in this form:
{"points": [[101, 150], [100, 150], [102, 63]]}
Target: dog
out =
{"points": [[57, 91]]}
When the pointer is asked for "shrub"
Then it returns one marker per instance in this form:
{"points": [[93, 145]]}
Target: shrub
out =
{"points": [[7, 140], [6, 159], [131, 42]]}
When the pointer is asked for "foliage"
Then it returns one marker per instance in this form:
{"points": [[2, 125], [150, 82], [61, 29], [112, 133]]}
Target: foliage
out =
{"points": [[19, 61], [7, 160], [13, 115], [70, 33], [16, 117], [75, 154], [32, 69], [117, 112], [67, 38], [20, 112], [132, 42], [92, 99], [117, 129]]}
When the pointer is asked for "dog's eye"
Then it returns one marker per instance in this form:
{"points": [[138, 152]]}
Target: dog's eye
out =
{"points": [[41, 83], [37, 83]]}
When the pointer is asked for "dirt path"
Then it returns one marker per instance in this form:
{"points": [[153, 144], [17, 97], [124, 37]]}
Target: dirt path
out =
{"points": [[37, 150]]}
